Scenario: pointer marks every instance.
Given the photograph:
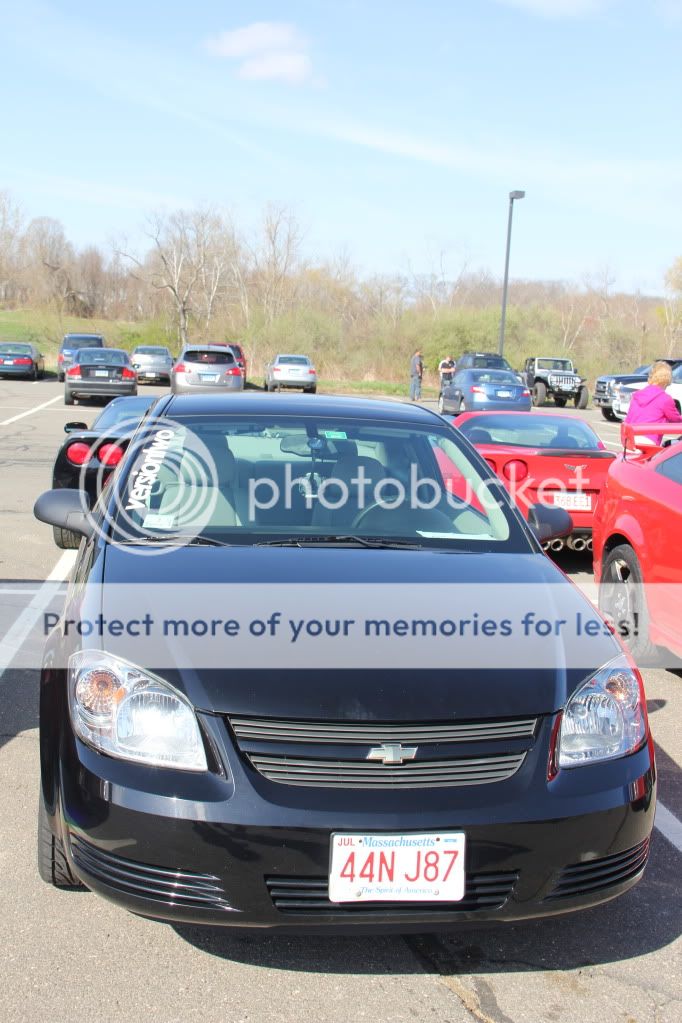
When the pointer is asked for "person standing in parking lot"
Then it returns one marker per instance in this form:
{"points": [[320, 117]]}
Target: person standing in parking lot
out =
{"points": [[652, 404], [416, 374], [446, 371]]}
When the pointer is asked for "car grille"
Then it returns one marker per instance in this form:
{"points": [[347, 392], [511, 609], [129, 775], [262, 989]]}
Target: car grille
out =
{"points": [[594, 875], [173, 887], [561, 380], [601, 387], [310, 895], [336, 754]]}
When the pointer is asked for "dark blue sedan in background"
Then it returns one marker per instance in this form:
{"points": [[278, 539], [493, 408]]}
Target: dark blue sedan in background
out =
{"points": [[484, 390]]}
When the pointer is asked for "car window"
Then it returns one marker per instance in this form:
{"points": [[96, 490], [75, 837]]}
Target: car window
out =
{"points": [[671, 468], [493, 377], [223, 358], [15, 349], [151, 350], [489, 362], [74, 341], [103, 356], [555, 364], [128, 409], [536, 431], [258, 479], [292, 360], [677, 375]]}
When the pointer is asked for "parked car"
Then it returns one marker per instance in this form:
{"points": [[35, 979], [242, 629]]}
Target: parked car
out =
{"points": [[483, 389], [240, 357], [557, 379], [637, 553], [152, 363], [89, 454], [482, 360], [287, 371], [21, 359], [99, 373], [271, 785], [622, 393], [606, 387], [206, 368], [71, 343], [554, 459]]}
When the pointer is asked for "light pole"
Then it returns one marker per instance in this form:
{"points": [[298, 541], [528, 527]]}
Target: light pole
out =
{"points": [[512, 196]]}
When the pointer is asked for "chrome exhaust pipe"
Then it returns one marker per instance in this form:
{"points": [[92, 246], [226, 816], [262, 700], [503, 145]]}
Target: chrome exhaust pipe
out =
{"points": [[546, 545], [588, 544], [556, 545], [579, 543]]}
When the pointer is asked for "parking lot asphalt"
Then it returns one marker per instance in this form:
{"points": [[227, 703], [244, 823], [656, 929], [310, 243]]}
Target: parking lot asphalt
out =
{"points": [[72, 956]]}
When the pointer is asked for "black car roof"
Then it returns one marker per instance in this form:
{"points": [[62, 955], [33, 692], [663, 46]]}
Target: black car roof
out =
{"points": [[297, 405]]}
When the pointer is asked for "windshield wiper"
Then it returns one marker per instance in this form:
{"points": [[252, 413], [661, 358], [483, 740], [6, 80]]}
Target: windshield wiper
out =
{"points": [[175, 540], [342, 540]]}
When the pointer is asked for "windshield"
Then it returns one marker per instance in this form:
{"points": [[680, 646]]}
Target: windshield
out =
{"points": [[150, 350], [494, 377], [221, 358], [74, 341], [123, 410], [267, 479], [104, 356], [529, 431], [292, 360], [15, 349], [565, 365]]}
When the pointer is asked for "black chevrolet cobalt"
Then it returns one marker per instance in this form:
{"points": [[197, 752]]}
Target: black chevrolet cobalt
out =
{"points": [[315, 671]]}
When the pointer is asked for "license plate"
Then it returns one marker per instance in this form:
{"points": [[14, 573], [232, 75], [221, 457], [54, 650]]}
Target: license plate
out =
{"points": [[573, 502], [504, 394], [8, 362], [208, 378], [426, 867], [147, 374], [101, 372]]}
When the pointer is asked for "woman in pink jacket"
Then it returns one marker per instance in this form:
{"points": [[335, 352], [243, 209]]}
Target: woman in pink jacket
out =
{"points": [[652, 404]]}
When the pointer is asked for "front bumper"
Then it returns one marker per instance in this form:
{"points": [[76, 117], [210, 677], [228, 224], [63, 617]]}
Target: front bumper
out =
{"points": [[602, 400], [237, 850]]}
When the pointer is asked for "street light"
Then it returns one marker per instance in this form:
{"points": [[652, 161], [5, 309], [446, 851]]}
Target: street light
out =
{"points": [[512, 196]]}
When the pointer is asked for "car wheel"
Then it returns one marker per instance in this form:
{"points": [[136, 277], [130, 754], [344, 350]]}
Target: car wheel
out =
{"points": [[582, 398], [560, 402], [53, 865], [68, 398], [311, 390], [608, 414], [34, 373], [622, 599], [66, 538], [539, 394]]}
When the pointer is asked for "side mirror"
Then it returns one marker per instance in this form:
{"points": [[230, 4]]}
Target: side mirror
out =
{"points": [[72, 427], [67, 509], [549, 523]]}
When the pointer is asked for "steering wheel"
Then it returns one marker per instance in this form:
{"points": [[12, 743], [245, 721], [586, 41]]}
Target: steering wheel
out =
{"points": [[429, 518]]}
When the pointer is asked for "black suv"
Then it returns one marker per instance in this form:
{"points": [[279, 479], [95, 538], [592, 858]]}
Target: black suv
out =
{"points": [[482, 360], [70, 344]]}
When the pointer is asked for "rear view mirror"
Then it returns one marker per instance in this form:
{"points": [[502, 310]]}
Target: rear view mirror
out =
{"points": [[67, 509], [72, 427], [549, 523]]}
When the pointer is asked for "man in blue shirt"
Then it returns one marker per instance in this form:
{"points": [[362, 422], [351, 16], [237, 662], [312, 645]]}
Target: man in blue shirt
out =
{"points": [[416, 373]]}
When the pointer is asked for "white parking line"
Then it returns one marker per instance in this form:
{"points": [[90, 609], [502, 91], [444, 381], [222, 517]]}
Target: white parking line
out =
{"points": [[16, 636], [669, 826], [30, 411]]}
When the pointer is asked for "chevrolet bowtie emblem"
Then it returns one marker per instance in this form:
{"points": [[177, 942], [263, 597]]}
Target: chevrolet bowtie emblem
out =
{"points": [[392, 753]]}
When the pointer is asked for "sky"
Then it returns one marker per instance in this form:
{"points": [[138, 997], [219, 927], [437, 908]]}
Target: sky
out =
{"points": [[394, 129]]}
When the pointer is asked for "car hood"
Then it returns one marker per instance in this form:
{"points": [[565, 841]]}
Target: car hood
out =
{"points": [[423, 692]]}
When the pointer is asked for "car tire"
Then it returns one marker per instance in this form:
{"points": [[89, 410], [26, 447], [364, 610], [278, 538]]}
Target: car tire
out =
{"points": [[582, 398], [622, 599], [560, 402], [539, 394], [34, 373], [66, 538], [311, 390], [53, 865], [608, 414], [68, 398]]}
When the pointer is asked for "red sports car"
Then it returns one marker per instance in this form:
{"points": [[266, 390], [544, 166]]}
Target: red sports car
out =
{"points": [[544, 458], [638, 545]]}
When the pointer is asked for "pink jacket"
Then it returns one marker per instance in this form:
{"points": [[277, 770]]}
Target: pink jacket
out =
{"points": [[652, 405]]}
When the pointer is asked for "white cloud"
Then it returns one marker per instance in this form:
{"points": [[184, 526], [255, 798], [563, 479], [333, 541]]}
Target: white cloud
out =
{"points": [[266, 51], [558, 8]]}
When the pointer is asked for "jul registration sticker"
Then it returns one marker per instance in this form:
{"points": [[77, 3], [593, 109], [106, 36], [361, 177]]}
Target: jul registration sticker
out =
{"points": [[397, 868]]}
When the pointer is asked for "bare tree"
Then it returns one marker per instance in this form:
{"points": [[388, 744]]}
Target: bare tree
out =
{"points": [[277, 259], [11, 224]]}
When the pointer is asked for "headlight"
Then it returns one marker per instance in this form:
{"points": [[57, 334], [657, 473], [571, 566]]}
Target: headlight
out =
{"points": [[605, 718], [128, 713]]}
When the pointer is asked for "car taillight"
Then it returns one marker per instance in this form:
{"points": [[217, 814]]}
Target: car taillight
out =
{"points": [[128, 374], [234, 371], [276, 369], [23, 361], [515, 470], [75, 371], [179, 367], [526, 393], [312, 371], [477, 390], [110, 454], [78, 453]]}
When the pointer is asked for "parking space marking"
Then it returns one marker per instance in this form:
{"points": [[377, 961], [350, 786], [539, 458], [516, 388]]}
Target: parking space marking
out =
{"points": [[21, 629], [30, 411], [669, 826]]}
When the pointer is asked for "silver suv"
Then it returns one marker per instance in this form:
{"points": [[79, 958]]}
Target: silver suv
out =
{"points": [[206, 368]]}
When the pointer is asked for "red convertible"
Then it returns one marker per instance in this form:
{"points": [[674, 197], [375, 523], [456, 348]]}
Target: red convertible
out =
{"points": [[544, 458], [638, 543]]}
